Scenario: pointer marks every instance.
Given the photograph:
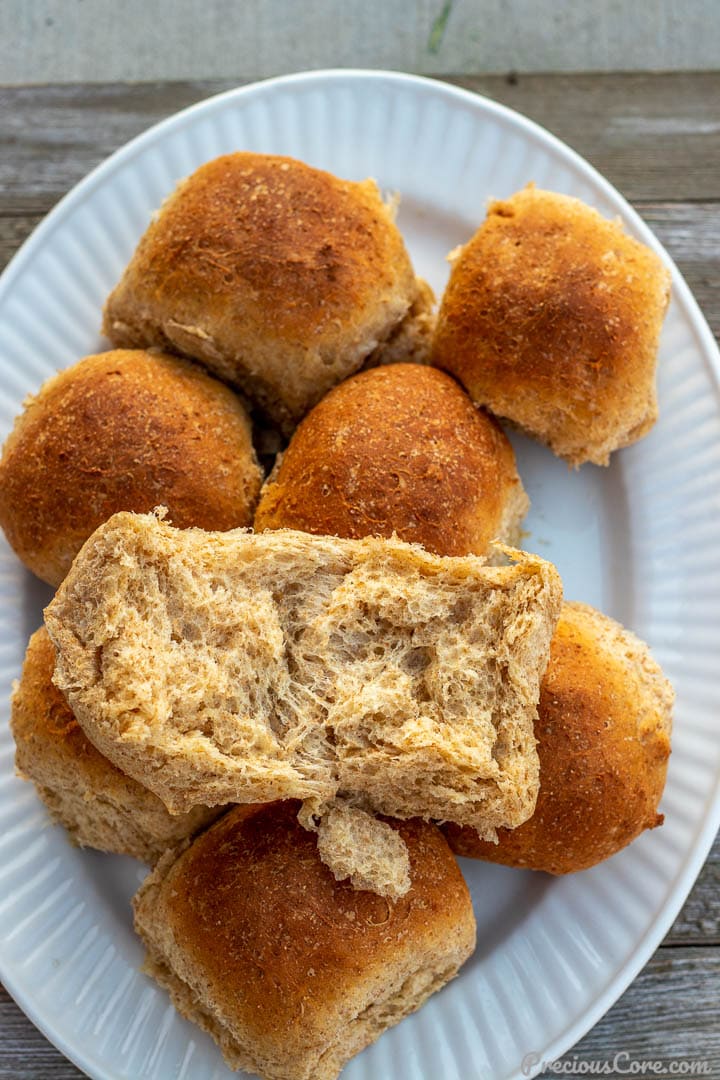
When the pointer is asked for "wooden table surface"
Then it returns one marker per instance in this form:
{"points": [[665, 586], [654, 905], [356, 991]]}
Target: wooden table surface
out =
{"points": [[657, 138]]}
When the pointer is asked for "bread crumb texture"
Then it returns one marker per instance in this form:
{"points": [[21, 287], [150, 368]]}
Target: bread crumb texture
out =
{"points": [[289, 970], [551, 319], [411, 341], [368, 852], [233, 667]]}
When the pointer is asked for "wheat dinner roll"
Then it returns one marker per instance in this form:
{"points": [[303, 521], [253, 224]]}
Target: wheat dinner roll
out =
{"points": [[280, 278], [98, 805], [290, 971], [551, 319], [400, 450], [123, 430], [603, 730], [240, 667]]}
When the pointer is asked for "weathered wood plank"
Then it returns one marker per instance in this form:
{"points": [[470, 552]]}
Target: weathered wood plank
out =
{"points": [[14, 231], [699, 920], [25, 1054], [691, 234], [657, 137], [669, 1013], [53, 136]]}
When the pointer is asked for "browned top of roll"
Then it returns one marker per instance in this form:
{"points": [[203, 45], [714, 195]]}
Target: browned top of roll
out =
{"points": [[281, 228], [603, 734], [285, 953], [280, 277], [551, 318], [399, 449], [123, 430]]}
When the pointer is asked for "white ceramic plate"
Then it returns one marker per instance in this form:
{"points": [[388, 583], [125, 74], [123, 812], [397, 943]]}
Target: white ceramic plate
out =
{"points": [[641, 540]]}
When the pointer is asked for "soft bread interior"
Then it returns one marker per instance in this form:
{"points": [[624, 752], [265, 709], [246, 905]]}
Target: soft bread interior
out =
{"points": [[231, 667]]}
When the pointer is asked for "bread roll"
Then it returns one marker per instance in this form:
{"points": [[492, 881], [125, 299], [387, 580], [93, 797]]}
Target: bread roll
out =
{"points": [[398, 450], [123, 430], [240, 667], [98, 805], [280, 278], [551, 319], [291, 972], [603, 733]]}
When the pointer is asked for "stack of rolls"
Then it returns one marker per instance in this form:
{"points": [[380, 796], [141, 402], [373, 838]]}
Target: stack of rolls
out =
{"points": [[604, 712], [344, 668]]}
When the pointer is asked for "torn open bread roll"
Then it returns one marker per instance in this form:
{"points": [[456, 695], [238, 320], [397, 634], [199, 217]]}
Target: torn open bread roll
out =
{"points": [[243, 668]]}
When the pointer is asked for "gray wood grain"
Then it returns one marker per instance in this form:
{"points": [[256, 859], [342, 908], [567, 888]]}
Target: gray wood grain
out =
{"points": [[658, 139], [669, 1013], [25, 1054], [699, 920], [691, 234]]}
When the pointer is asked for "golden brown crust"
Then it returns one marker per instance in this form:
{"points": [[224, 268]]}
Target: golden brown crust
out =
{"points": [[123, 430], [603, 734], [552, 318], [277, 276], [98, 805], [400, 450], [283, 956]]}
